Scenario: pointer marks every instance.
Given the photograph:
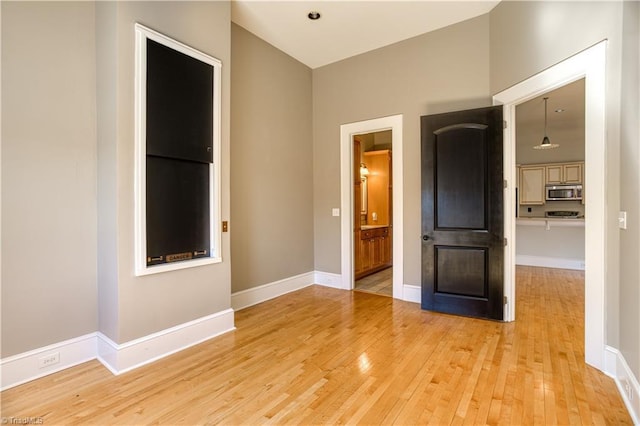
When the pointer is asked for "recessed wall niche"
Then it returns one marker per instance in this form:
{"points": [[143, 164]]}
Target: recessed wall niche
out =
{"points": [[177, 154]]}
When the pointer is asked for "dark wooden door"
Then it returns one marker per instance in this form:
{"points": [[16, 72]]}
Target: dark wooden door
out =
{"points": [[462, 213]]}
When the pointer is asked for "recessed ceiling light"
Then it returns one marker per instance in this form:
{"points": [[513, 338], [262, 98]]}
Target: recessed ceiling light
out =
{"points": [[559, 110], [314, 15]]}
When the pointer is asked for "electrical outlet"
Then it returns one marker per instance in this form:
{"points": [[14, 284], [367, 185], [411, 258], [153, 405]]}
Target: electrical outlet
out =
{"points": [[622, 220], [49, 360], [628, 390]]}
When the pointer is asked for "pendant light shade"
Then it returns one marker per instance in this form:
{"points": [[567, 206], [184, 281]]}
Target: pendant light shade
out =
{"points": [[364, 171], [546, 143]]}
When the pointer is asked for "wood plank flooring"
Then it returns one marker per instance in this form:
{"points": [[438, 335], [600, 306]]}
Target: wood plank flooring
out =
{"points": [[327, 356]]}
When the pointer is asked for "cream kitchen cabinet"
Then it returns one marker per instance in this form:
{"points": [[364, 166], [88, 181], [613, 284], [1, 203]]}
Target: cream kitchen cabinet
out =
{"points": [[569, 173], [532, 182]]}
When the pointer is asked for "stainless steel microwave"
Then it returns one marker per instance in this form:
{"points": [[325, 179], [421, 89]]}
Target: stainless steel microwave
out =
{"points": [[563, 192]]}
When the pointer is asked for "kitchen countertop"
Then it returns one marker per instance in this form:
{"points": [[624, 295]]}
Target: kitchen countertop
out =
{"points": [[366, 227], [550, 221]]}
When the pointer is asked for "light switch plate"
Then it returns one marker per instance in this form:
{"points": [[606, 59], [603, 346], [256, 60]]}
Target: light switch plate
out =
{"points": [[335, 212], [622, 220]]}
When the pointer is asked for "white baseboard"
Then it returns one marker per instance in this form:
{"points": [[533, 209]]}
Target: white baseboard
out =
{"points": [[616, 367], [120, 358], [253, 296], [550, 262], [24, 367], [412, 293], [328, 279], [610, 361]]}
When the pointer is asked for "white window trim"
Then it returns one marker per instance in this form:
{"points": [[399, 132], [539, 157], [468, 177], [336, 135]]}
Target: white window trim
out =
{"points": [[143, 33]]}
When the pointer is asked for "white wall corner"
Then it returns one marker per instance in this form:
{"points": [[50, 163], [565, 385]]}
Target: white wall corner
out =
{"points": [[27, 366], [329, 279], [253, 296], [617, 368], [120, 358], [412, 293]]}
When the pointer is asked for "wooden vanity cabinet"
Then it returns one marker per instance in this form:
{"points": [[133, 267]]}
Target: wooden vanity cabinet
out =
{"points": [[374, 251]]}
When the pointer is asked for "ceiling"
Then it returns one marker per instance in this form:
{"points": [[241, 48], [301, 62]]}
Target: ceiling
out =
{"points": [[347, 28], [565, 128]]}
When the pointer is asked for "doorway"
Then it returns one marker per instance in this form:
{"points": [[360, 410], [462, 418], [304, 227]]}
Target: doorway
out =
{"points": [[373, 213], [550, 230], [590, 65], [348, 132]]}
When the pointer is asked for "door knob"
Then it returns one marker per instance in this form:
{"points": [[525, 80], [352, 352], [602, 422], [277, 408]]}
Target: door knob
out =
{"points": [[425, 237]]}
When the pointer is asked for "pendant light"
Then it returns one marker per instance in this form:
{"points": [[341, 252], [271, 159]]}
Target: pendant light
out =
{"points": [[364, 171], [546, 143]]}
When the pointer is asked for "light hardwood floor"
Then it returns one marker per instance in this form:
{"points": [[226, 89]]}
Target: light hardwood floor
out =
{"points": [[326, 356]]}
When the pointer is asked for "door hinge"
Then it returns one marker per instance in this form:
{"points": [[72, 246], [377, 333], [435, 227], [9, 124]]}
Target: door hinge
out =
{"points": [[506, 300], [505, 242], [504, 124], [505, 184]]}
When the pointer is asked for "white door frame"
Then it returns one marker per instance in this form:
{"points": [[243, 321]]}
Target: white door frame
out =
{"points": [[347, 132], [588, 64]]}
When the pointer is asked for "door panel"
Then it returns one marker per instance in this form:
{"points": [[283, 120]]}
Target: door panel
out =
{"points": [[461, 154], [461, 271], [462, 213]]}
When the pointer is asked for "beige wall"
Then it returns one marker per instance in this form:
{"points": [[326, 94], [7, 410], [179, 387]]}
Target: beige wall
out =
{"points": [[138, 306], [630, 188], [48, 174], [526, 38], [271, 164], [106, 90], [529, 36], [441, 71]]}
